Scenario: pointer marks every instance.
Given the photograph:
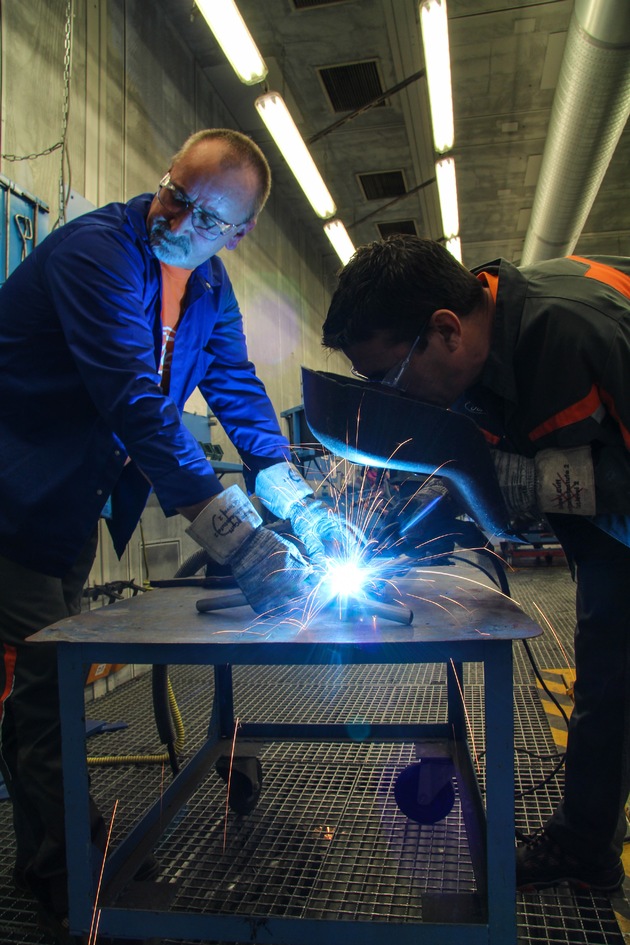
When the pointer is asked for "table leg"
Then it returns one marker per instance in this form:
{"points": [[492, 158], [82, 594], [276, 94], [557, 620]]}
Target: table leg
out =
{"points": [[76, 787]]}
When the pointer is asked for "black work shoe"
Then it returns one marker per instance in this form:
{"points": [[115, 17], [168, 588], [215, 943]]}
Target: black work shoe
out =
{"points": [[541, 863]]}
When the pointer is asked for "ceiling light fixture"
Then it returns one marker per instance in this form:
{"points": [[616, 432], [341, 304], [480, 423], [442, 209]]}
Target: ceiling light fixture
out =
{"points": [[447, 190], [276, 116], [338, 236], [234, 38], [434, 25], [454, 246]]}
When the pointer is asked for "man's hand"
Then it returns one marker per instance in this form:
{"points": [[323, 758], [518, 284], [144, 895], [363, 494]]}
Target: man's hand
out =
{"points": [[287, 495], [553, 481], [323, 532], [269, 569]]}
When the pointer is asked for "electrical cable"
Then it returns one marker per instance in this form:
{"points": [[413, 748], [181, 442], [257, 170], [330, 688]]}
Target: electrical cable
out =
{"points": [[503, 582], [174, 748]]}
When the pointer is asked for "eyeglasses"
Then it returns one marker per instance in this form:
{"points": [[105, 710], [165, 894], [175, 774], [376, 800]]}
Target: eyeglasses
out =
{"points": [[395, 377], [206, 223]]}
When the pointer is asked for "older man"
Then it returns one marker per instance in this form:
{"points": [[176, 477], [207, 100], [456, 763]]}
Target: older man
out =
{"points": [[105, 330]]}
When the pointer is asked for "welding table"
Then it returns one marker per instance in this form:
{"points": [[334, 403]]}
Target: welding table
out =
{"points": [[470, 624]]}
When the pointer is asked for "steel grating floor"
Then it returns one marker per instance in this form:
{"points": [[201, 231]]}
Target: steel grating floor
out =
{"points": [[327, 839]]}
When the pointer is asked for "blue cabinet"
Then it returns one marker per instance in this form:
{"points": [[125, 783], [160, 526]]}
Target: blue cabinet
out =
{"points": [[24, 223]]}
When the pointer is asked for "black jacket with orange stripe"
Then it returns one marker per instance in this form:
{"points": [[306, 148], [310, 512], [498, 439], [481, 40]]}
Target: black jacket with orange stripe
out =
{"points": [[558, 373]]}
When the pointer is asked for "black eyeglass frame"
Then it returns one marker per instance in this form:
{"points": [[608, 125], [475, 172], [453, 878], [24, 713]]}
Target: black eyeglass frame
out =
{"points": [[211, 230], [394, 378]]}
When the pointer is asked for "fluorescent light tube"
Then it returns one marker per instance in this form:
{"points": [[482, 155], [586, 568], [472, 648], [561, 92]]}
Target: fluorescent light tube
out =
{"points": [[447, 190], [234, 38], [338, 236], [454, 246], [434, 23], [283, 130]]}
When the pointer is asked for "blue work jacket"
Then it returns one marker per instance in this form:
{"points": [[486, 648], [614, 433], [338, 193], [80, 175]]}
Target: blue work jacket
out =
{"points": [[80, 342]]}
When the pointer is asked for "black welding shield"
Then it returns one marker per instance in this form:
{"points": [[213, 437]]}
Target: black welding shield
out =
{"points": [[374, 426]]}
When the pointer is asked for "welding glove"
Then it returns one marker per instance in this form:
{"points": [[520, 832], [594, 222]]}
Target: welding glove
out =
{"points": [[323, 532], [268, 568], [553, 481]]}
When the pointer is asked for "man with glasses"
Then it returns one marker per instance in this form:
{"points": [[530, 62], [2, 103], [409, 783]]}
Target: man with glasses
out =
{"points": [[539, 358], [106, 329]]}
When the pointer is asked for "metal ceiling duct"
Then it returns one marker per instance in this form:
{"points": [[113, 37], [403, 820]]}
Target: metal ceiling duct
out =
{"points": [[590, 109]]}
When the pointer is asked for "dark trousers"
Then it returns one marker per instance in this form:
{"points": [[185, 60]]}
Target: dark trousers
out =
{"points": [[590, 820], [30, 740]]}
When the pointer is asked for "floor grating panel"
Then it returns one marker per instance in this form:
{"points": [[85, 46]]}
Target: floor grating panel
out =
{"points": [[326, 839]]}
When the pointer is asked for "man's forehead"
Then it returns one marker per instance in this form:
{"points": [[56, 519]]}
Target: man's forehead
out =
{"points": [[379, 342], [203, 158]]}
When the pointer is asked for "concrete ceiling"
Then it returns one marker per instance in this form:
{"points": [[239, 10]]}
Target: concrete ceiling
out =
{"points": [[379, 165]]}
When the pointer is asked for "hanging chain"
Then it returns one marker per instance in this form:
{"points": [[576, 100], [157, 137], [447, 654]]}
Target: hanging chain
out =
{"points": [[35, 154], [67, 63]]}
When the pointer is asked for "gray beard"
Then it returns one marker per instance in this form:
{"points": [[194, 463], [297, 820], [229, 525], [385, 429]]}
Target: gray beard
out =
{"points": [[167, 248]]}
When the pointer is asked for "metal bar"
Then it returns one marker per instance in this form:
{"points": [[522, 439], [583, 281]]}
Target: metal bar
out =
{"points": [[342, 731], [498, 696], [364, 108], [455, 697], [7, 231], [474, 816], [286, 931], [124, 861], [222, 718], [75, 788], [391, 203]]}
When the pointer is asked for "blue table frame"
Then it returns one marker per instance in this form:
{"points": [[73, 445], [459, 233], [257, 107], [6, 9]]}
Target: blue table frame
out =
{"points": [[477, 626]]}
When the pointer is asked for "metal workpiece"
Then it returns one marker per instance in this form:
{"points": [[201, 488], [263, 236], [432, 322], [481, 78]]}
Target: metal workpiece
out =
{"points": [[368, 424], [457, 618], [449, 604]]}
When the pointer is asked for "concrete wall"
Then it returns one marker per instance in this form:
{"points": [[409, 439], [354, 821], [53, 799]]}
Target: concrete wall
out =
{"points": [[135, 93]]}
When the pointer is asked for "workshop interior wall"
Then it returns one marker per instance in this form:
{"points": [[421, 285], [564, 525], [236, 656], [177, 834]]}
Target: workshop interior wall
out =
{"points": [[135, 92]]}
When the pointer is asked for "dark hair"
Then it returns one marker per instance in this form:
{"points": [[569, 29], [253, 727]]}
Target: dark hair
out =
{"points": [[395, 285], [240, 150]]}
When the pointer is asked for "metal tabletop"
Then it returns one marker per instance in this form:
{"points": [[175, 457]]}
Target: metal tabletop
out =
{"points": [[458, 617], [450, 605]]}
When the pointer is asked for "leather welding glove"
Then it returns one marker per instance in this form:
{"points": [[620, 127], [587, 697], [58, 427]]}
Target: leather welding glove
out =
{"points": [[268, 568], [552, 481], [323, 532]]}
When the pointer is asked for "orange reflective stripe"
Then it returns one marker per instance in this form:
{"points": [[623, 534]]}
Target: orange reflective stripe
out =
{"points": [[606, 274], [10, 655], [610, 406], [573, 414], [491, 438]]}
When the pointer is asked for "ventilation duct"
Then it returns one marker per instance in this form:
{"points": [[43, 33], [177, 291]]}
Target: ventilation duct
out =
{"points": [[396, 227], [382, 184], [352, 85], [589, 112]]}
